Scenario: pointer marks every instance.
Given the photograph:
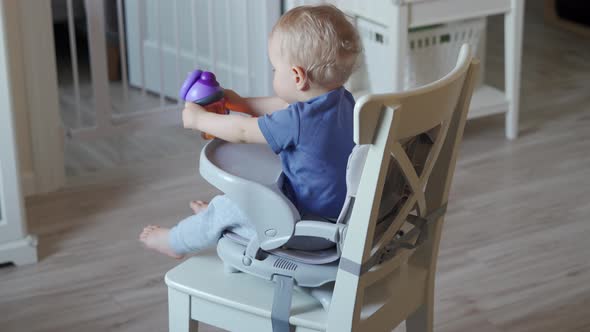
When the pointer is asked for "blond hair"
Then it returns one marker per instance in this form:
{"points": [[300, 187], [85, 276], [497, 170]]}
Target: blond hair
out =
{"points": [[322, 41]]}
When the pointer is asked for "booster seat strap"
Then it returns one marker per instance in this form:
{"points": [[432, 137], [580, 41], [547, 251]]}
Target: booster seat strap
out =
{"points": [[281, 303], [253, 248], [390, 250], [422, 223]]}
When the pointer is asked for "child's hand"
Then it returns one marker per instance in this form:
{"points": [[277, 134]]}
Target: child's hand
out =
{"points": [[190, 115], [232, 97], [236, 103]]}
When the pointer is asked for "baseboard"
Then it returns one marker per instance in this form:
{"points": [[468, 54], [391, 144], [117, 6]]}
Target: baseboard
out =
{"points": [[19, 252], [28, 183]]}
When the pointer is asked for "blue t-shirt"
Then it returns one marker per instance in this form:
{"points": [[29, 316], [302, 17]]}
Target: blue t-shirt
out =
{"points": [[314, 139]]}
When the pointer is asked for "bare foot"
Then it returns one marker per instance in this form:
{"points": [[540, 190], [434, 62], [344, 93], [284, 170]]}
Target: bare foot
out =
{"points": [[198, 206], [156, 237]]}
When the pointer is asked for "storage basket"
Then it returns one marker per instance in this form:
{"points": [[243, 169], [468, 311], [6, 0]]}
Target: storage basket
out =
{"points": [[433, 50], [431, 53]]}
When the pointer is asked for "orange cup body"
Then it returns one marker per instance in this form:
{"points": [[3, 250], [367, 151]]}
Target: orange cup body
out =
{"points": [[217, 107]]}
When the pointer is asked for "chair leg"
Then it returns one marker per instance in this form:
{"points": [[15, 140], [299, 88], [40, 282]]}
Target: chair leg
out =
{"points": [[421, 319], [179, 312]]}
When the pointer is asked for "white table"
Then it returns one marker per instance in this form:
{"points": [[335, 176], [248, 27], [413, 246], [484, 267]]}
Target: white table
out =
{"points": [[400, 15]]}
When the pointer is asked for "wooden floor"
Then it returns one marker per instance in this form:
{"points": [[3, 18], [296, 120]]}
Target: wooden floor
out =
{"points": [[515, 254]]}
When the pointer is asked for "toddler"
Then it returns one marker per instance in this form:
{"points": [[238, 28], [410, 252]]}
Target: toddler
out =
{"points": [[309, 124]]}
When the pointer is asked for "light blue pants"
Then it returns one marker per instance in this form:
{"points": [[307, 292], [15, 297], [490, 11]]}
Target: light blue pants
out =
{"points": [[203, 230]]}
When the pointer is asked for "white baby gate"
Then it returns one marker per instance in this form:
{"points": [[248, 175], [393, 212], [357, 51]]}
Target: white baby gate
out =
{"points": [[158, 42]]}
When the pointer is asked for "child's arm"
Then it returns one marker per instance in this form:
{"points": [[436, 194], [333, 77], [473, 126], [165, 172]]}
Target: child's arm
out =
{"points": [[265, 105], [232, 128], [258, 106]]}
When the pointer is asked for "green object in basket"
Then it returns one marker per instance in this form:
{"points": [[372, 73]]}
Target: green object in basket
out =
{"points": [[426, 27], [445, 38]]}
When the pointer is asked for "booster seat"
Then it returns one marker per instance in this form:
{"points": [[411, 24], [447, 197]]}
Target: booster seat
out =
{"points": [[295, 250]]}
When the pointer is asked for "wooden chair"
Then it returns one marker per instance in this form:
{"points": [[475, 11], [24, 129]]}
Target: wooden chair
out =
{"points": [[380, 283]]}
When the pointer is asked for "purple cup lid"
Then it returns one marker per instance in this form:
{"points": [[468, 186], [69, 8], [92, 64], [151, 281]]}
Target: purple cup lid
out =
{"points": [[188, 83], [201, 87]]}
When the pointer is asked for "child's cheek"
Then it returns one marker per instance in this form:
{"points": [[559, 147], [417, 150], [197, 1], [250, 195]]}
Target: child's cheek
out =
{"points": [[276, 85]]}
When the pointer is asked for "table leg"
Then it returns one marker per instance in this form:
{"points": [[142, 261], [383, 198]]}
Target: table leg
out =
{"points": [[399, 44], [513, 22]]}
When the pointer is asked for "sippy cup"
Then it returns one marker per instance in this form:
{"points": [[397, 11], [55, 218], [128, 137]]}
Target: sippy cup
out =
{"points": [[201, 87]]}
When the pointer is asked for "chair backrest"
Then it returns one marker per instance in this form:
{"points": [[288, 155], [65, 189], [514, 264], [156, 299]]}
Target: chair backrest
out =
{"points": [[386, 123]]}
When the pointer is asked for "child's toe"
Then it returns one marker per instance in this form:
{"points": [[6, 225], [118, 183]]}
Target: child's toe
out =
{"points": [[146, 231]]}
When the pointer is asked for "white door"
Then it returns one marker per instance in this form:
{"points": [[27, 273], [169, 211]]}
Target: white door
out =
{"points": [[165, 40], [15, 245]]}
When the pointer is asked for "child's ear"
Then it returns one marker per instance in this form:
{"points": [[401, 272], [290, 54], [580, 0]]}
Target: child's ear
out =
{"points": [[300, 78]]}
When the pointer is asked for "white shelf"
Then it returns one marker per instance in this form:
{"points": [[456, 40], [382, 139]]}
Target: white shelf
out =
{"points": [[486, 101], [396, 17]]}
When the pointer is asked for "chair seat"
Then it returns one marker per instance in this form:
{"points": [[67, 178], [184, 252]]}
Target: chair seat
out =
{"points": [[240, 291]]}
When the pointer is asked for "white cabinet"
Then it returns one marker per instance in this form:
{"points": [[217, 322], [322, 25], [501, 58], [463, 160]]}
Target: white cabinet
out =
{"points": [[16, 245]]}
